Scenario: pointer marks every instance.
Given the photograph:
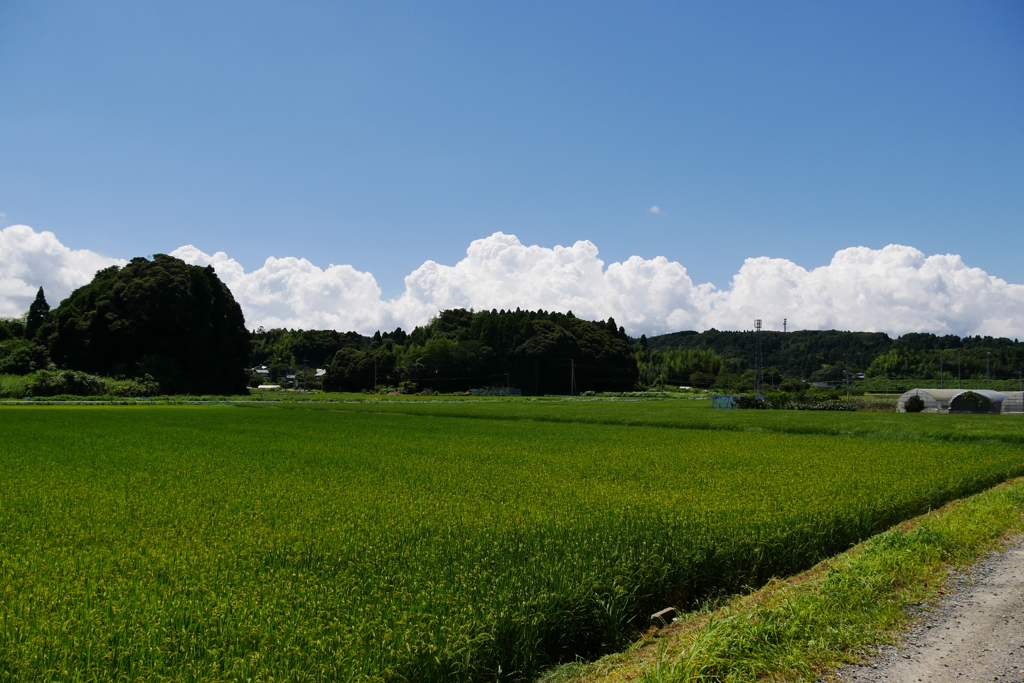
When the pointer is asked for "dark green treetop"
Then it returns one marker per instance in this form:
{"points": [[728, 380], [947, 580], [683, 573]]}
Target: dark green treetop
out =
{"points": [[164, 318], [37, 313]]}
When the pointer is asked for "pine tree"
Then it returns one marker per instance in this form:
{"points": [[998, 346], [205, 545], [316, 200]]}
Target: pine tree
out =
{"points": [[37, 313]]}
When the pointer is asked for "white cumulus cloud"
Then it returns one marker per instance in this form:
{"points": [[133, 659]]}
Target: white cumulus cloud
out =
{"points": [[501, 272], [498, 272], [30, 260], [895, 289], [292, 292]]}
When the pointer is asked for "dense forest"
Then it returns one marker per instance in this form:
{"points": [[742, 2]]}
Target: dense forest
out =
{"points": [[536, 351], [177, 328]]}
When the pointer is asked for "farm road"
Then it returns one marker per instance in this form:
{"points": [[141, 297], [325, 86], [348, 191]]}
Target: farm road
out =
{"points": [[975, 634]]}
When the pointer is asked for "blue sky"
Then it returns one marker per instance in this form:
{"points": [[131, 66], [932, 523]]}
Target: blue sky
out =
{"points": [[384, 134]]}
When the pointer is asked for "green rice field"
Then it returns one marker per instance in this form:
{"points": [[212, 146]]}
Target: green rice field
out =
{"points": [[429, 541]]}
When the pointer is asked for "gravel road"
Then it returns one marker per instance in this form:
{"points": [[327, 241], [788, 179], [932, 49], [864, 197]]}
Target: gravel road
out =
{"points": [[975, 634]]}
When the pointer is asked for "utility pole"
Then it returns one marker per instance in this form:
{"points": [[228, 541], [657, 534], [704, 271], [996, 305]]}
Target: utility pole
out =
{"points": [[572, 385], [757, 357], [846, 373], [959, 384], [375, 375], [942, 377], [988, 367]]}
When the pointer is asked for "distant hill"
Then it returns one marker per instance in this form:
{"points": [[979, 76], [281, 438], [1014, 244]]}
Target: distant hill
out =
{"points": [[825, 354], [795, 354]]}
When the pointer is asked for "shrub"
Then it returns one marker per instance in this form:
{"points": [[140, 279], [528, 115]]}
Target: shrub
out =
{"points": [[914, 404], [874, 404], [146, 386], [779, 400], [20, 357], [827, 395], [13, 386], [826, 405], [73, 382], [809, 401], [793, 386], [749, 401]]}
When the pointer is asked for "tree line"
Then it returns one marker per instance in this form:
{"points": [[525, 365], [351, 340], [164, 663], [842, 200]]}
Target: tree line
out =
{"points": [[538, 352], [729, 359], [178, 326], [543, 352]]}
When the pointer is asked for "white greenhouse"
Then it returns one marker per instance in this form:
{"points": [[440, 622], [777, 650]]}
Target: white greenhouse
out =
{"points": [[1014, 403], [977, 401], [935, 400], [960, 401]]}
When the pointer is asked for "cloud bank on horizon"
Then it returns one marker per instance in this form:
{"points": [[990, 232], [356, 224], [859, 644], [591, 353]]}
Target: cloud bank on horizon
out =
{"points": [[30, 260], [896, 289]]}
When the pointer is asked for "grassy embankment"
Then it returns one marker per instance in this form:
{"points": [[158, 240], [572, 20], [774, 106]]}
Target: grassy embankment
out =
{"points": [[415, 541]]}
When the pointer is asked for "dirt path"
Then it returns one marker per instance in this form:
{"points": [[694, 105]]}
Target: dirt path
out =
{"points": [[976, 634]]}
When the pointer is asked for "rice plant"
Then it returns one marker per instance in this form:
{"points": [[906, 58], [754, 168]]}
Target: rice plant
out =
{"points": [[361, 543]]}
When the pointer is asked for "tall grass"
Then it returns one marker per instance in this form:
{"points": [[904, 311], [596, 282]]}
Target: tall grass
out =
{"points": [[184, 543], [14, 386], [72, 383]]}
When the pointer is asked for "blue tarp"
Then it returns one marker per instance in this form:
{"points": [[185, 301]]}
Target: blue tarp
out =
{"points": [[723, 402]]}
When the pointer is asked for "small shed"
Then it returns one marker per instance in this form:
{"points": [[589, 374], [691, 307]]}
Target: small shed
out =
{"points": [[1013, 404], [935, 400], [984, 401]]}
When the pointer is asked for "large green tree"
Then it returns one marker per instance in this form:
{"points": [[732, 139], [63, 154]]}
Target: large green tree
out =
{"points": [[164, 318]]}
